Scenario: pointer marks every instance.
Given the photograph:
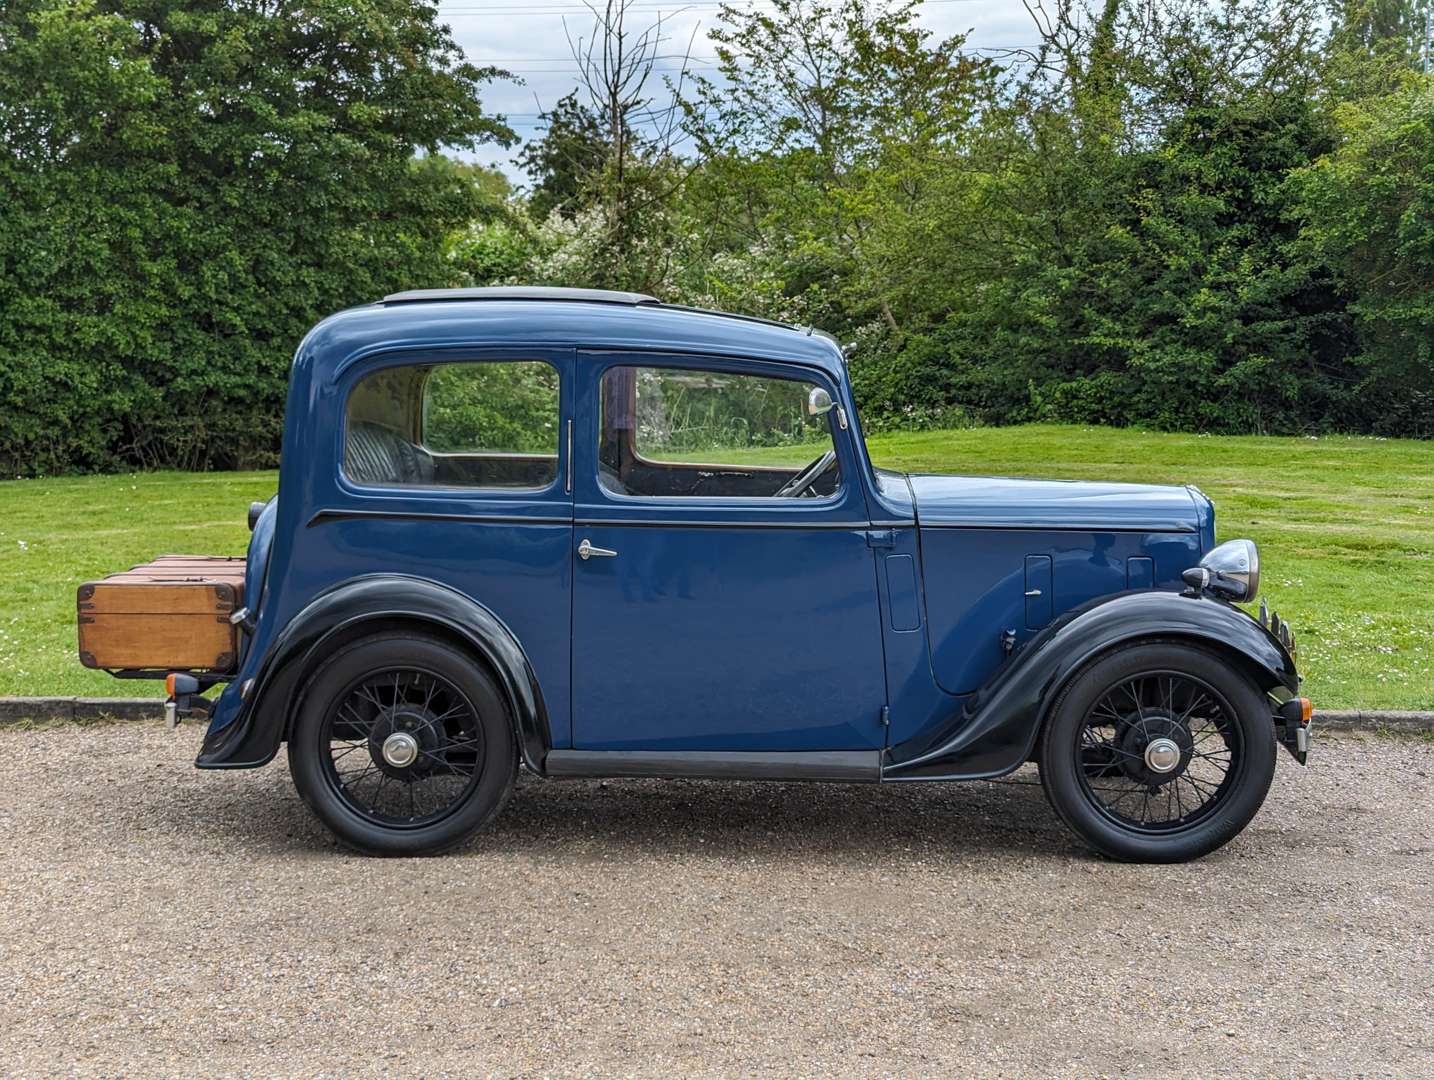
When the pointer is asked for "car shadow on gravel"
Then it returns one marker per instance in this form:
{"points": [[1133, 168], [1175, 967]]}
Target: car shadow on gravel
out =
{"points": [[755, 819], [595, 820]]}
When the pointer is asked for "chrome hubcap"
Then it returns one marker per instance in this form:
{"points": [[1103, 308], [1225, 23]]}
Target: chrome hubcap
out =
{"points": [[1162, 755], [401, 749]]}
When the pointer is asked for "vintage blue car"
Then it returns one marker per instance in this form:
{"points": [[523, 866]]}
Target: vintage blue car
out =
{"points": [[596, 535]]}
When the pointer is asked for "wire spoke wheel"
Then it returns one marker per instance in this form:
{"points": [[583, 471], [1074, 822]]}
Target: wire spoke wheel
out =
{"points": [[1159, 751], [405, 746]]}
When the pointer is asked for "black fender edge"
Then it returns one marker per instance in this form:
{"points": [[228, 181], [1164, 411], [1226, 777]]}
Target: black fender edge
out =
{"points": [[347, 611], [995, 732]]}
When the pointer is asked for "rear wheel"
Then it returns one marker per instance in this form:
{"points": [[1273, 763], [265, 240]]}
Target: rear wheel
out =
{"points": [[403, 745], [1158, 752]]}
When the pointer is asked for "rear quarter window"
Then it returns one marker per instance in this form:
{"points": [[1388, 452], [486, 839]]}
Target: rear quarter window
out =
{"points": [[482, 424]]}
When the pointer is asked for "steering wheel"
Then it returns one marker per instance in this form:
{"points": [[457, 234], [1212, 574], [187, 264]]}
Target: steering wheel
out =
{"points": [[799, 484]]}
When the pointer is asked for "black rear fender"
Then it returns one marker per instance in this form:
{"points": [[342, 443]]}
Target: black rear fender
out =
{"points": [[355, 609]]}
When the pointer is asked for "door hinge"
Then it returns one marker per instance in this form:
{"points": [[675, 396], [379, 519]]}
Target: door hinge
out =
{"points": [[881, 538], [886, 716]]}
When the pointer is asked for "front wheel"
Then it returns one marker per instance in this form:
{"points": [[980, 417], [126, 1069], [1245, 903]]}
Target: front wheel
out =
{"points": [[1158, 752], [403, 745]]}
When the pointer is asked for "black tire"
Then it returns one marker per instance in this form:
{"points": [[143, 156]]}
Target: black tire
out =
{"points": [[1132, 696], [465, 757]]}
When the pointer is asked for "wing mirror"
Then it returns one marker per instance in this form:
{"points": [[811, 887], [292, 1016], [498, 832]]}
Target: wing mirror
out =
{"points": [[819, 402]]}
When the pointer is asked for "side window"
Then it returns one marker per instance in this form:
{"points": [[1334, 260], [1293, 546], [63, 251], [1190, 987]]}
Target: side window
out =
{"points": [[490, 424], [679, 432]]}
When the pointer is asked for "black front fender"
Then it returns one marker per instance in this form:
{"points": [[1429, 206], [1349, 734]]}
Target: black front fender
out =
{"points": [[996, 730], [253, 737]]}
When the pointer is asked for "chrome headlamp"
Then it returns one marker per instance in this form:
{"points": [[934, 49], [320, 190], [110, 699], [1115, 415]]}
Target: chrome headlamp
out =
{"points": [[1231, 571]]}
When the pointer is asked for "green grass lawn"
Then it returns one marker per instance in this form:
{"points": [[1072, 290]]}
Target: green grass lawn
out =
{"points": [[1345, 528]]}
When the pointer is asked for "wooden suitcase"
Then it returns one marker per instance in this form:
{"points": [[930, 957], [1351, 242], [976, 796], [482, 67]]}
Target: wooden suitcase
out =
{"points": [[171, 614]]}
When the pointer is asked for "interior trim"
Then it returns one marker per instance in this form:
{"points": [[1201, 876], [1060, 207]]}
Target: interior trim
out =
{"points": [[848, 766]]}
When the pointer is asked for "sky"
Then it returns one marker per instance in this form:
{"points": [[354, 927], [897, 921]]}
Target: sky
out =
{"points": [[528, 39]]}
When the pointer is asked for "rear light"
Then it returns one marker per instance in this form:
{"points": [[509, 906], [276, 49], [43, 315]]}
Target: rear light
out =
{"points": [[178, 684]]}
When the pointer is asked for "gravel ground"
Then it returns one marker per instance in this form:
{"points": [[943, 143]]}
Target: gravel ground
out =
{"points": [[163, 921]]}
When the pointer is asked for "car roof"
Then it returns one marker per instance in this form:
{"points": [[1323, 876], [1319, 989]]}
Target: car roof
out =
{"points": [[538, 316]]}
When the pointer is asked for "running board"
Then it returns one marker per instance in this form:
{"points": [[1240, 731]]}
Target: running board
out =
{"points": [[852, 766]]}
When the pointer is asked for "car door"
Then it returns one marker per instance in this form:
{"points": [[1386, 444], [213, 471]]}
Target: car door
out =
{"points": [[455, 467], [711, 609]]}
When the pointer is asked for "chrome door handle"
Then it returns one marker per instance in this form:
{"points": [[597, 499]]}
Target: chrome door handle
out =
{"points": [[1033, 592], [587, 551]]}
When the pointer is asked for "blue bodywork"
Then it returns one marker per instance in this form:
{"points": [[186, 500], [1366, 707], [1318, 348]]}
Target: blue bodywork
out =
{"points": [[893, 617]]}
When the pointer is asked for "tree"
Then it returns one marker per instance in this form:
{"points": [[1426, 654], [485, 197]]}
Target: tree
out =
{"points": [[639, 174], [830, 131], [188, 186], [567, 163], [1127, 200], [1369, 206]]}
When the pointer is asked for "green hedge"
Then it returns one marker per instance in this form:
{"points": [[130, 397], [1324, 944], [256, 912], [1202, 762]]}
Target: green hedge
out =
{"points": [[186, 187]]}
